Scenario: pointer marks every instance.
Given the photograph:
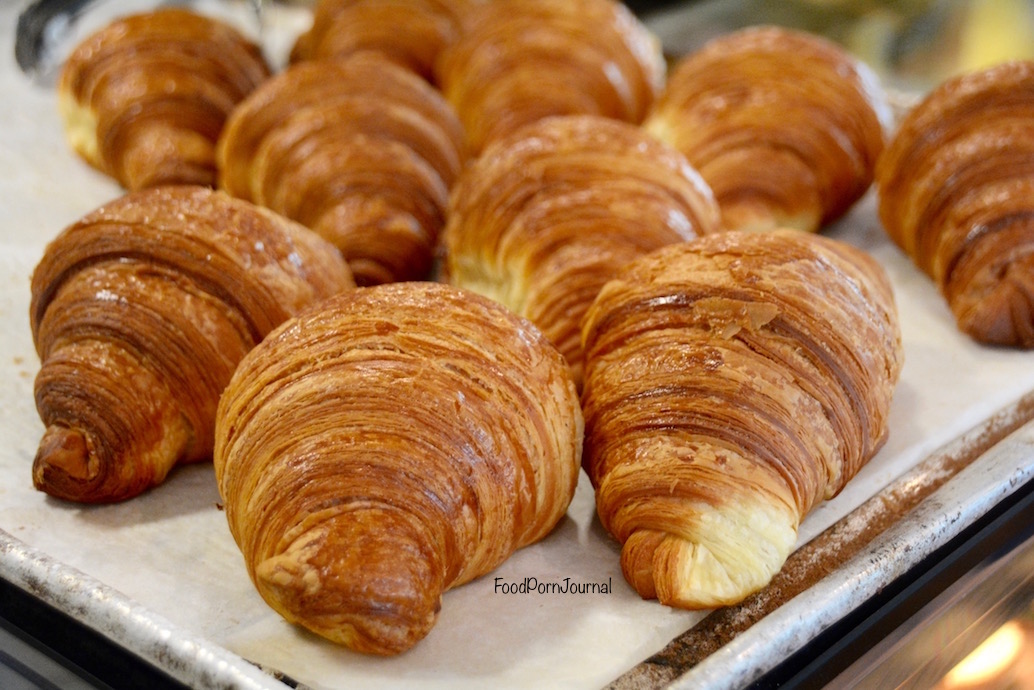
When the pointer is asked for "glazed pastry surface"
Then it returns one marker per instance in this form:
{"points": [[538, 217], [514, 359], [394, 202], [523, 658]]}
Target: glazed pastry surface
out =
{"points": [[956, 193], [785, 126], [517, 61], [409, 32], [547, 215], [140, 312], [731, 384], [144, 99], [360, 150], [387, 445]]}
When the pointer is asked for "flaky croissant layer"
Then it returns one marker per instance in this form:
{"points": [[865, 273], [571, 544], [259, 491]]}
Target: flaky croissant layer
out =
{"points": [[411, 33], [387, 445], [358, 149], [784, 125], [732, 383], [140, 312], [549, 213], [145, 98], [956, 193], [518, 61]]}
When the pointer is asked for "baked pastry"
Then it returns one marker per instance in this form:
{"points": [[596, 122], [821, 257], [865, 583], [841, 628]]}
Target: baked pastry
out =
{"points": [[387, 445], [360, 150], [547, 215], [143, 99], [956, 193], [410, 32], [784, 125], [140, 311], [731, 384], [517, 61]]}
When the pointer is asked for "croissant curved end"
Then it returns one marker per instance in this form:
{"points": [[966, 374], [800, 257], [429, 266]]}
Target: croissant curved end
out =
{"points": [[69, 466], [746, 549], [316, 581], [1002, 313], [80, 129], [63, 456]]}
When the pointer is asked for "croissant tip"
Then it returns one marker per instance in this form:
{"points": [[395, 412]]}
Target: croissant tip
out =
{"points": [[337, 581], [62, 452]]}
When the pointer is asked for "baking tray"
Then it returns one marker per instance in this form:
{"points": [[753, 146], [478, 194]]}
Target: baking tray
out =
{"points": [[161, 576]]}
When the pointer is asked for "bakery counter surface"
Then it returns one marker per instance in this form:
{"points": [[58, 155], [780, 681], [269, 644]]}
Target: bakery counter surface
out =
{"points": [[159, 576]]}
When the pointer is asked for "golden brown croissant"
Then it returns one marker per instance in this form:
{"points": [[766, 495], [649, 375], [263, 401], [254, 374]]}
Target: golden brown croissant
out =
{"points": [[785, 126], [731, 384], [140, 312], [144, 99], [956, 193], [517, 61], [387, 445], [547, 215], [410, 32], [358, 149]]}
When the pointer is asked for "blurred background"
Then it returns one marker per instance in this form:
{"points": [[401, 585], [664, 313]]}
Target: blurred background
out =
{"points": [[912, 44]]}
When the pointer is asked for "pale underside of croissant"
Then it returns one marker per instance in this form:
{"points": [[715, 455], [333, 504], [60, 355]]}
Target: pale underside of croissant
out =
{"points": [[358, 149], [732, 383], [956, 193], [144, 99], [140, 311], [410, 32], [517, 61], [387, 445], [547, 215], [785, 126]]}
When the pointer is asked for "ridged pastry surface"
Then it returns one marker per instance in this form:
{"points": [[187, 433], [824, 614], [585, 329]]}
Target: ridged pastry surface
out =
{"points": [[517, 61], [389, 444], [547, 215], [731, 384], [144, 99], [410, 32], [140, 312], [360, 150], [956, 193], [784, 125]]}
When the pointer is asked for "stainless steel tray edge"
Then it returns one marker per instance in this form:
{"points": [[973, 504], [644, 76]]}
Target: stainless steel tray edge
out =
{"points": [[188, 658], [977, 488]]}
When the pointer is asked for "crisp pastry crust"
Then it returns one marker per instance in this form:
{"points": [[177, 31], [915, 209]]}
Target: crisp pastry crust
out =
{"points": [[546, 216], [731, 384], [387, 445], [140, 312], [144, 99], [358, 149], [956, 193], [410, 32], [785, 126], [518, 61]]}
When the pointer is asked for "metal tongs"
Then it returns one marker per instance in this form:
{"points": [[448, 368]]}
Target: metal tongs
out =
{"points": [[40, 27], [46, 27]]}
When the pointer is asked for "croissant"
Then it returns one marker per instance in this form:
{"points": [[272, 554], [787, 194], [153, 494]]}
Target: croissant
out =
{"points": [[410, 32], [785, 126], [517, 61], [956, 193], [731, 384], [547, 215], [360, 150], [143, 99], [140, 311], [392, 443]]}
